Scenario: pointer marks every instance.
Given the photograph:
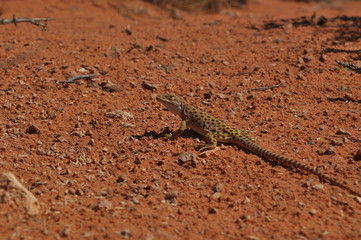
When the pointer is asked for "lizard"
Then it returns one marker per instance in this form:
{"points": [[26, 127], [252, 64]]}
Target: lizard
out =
{"points": [[215, 130]]}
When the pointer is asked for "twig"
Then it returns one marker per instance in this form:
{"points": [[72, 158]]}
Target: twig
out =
{"points": [[265, 88], [349, 66], [35, 21], [73, 79], [343, 99], [237, 74], [341, 50], [351, 111]]}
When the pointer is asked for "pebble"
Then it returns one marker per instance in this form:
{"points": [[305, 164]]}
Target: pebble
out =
{"points": [[357, 156], [328, 151], [126, 233], [119, 114], [188, 157], [323, 58], [212, 210], [32, 129], [109, 87], [218, 187], [307, 59], [342, 132], [176, 14], [103, 204], [216, 195], [336, 143], [313, 211], [300, 76], [318, 186], [150, 86]]}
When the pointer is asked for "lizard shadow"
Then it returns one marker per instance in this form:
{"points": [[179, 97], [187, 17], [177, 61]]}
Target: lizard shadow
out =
{"points": [[194, 135], [155, 135]]}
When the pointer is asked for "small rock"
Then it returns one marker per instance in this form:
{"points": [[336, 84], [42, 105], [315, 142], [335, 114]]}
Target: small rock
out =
{"points": [[13, 192], [342, 132], [221, 96], [82, 70], [217, 187], [216, 195], [357, 156], [91, 142], [32, 129], [78, 132], [188, 157], [336, 143], [246, 200], [206, 154], [300, 76], [160, 162], [323, 58], [207, 95], [328, 151], [66, 232], [313, 211], [127, 30], [119, 114], [171, 196], [133, 84], [318, 186], [130, 125], [79, 192], [150, 86], [109, 87], [176, 14], [103, 204], [306, 51], [121, 178], [307, 59], [71, 191], [125, 233], [212, 210], [23, 155]]}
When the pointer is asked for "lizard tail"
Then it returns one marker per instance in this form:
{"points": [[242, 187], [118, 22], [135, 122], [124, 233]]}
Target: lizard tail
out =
{"points": [[289, 162]]}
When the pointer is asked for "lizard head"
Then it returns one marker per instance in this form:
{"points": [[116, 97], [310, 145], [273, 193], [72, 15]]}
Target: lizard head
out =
{"points": [[174, 103]]}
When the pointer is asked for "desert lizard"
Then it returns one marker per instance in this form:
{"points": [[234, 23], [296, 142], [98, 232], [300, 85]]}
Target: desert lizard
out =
{"points": [[215, 130]]}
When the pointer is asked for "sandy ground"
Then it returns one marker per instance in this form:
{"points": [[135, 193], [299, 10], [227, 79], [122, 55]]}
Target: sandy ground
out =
{"points": [[90, 151]]}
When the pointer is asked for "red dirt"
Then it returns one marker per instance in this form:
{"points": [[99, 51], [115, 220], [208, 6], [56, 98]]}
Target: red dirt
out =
{"points": [[98, 177]]}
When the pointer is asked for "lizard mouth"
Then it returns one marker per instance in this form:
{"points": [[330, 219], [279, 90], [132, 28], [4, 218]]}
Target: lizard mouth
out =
{"points": [[174, 108]]}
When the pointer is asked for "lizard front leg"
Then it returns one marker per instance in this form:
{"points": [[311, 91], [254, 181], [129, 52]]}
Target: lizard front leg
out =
{"points": [[176, 134]]}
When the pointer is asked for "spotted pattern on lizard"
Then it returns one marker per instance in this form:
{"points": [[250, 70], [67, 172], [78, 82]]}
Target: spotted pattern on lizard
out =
{"points": [[215, 130]]}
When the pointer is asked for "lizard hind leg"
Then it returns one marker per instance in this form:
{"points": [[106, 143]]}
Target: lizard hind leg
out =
{"points": [[211, 143]]}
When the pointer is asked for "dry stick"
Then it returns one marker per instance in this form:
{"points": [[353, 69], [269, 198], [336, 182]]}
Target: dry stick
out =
{"points": [[35, 21], [341, 50], [73, 79], [266, 88], [351, 111], [349, 66]]}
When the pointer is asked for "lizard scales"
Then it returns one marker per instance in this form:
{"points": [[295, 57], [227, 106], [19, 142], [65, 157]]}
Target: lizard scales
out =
{"points": [[215, 130]]}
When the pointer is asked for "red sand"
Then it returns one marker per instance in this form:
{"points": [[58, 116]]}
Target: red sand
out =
{"points": [[98, 176]]}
